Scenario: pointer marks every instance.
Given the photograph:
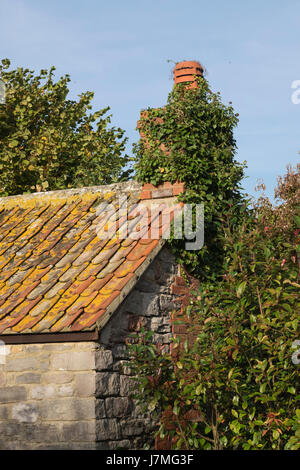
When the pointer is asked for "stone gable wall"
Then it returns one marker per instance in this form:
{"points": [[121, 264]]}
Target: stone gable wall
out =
{"points": [[120, 424]]}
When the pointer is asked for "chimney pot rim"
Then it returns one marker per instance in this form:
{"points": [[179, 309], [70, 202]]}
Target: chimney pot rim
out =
{"points": [[188, 64], [186, 70]]}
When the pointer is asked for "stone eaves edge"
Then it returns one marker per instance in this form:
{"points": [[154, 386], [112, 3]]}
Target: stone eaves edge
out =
{"points": [[117, 188]]}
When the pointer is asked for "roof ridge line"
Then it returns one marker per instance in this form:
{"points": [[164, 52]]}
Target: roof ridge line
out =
{"points": [[129, 186]]}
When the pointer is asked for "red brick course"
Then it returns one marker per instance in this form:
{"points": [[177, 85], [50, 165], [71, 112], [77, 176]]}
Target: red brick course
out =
{"points": [[164, 190], [180, 324]]}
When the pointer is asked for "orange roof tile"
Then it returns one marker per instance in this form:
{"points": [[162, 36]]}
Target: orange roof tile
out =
{"points": [[65, 262]]}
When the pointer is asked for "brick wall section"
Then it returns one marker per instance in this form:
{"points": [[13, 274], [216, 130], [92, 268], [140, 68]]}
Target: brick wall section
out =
{"points": [[47, 397], [149, 191], [180, 324], [182, 287]]}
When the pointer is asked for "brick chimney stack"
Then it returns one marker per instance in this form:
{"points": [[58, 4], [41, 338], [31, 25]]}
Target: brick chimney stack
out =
{"points": [[186, 72]]}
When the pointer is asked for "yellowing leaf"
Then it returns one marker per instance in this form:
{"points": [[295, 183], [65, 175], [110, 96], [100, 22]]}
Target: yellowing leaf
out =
{"points": [[241, 289]]}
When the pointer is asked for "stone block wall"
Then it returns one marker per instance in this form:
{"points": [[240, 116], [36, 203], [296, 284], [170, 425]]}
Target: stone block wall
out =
{"points": [[120, 422], [47, 396]]}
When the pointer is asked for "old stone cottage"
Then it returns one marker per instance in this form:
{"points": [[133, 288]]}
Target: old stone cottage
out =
{"points": [[74, 285], [70, 298]]}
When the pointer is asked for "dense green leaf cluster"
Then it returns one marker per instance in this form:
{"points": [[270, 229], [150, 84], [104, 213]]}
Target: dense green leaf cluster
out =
{"points": [[191, 140], [50, 142], [233, 384]]}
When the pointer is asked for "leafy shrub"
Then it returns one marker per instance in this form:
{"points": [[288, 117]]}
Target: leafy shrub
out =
{"points": [[231, 384]]}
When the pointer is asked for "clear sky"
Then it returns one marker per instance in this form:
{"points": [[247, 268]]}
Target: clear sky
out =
{"points": [[120, 50]]}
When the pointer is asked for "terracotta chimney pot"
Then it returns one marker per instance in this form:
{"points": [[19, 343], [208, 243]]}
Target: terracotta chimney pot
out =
{"points": [[186, 71]]}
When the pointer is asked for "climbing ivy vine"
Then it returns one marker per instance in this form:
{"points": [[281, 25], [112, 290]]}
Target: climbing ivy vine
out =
{"points": [[191, 140]]}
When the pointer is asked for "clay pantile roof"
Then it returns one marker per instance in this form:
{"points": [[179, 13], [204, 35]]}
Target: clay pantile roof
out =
{"points": [[63, 266]]}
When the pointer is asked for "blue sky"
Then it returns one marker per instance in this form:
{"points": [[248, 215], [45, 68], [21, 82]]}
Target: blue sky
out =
{"points": [[120, 50]]}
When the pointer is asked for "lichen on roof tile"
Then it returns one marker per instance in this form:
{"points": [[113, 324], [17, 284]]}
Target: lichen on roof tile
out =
{"points": [[64, 260]]}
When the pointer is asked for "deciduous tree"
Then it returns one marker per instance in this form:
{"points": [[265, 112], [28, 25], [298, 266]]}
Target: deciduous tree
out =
{"points": [[48, 141]]}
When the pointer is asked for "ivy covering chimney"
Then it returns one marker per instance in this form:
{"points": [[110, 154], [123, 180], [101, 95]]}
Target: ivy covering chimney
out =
{"points": [[191, 141]]}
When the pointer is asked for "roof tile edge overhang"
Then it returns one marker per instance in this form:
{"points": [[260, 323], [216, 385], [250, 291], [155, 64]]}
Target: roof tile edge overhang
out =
{"points": [[129, 286], [92, 332], [34, 338]]}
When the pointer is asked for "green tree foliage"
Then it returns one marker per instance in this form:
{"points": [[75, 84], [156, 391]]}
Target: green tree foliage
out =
{"points": [[50, 142], [191, 140], [233, 384]]}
